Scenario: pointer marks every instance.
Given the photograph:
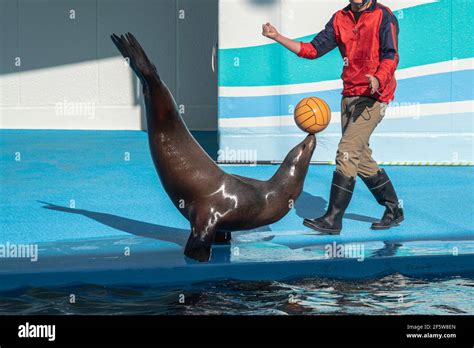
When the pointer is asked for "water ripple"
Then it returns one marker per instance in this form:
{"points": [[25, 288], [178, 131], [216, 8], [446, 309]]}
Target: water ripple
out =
{"points": [[395, 294]]}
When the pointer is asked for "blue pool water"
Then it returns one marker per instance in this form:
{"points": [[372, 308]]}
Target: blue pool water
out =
{"points": [[394, 294]]}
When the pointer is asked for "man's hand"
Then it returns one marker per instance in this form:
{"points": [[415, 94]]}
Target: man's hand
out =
{"points": [[374, 84], [269, 31]]}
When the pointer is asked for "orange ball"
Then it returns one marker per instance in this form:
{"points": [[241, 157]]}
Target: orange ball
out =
{"points": [[312, 115]]}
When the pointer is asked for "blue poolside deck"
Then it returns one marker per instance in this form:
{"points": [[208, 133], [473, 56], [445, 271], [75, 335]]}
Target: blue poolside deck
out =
{"points": [[74, 194]]}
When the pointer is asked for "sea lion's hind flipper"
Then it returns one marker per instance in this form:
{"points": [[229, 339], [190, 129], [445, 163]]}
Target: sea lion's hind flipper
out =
{"points": [[118, 43], [139, 62], [200, 241]]}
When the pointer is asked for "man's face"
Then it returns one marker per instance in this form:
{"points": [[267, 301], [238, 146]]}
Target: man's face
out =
{"points": [[359, 4]]}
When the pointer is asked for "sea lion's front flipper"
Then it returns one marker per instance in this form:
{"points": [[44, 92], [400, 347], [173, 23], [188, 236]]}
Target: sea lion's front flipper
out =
{"points": [[200, 241], [222, 237]]}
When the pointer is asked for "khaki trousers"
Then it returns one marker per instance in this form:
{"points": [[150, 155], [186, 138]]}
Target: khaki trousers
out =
{"points": [[359, 117]]}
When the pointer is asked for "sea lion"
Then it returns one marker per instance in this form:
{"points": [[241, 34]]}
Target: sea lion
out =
{"points": [[209, 198]]}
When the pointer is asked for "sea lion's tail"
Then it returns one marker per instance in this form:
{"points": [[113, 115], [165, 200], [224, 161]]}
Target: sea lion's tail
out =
{"points": [[139, 62]]}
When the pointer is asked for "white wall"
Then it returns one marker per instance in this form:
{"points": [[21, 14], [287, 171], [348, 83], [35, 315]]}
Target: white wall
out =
{"points": [[430, 120], [71, 76]]}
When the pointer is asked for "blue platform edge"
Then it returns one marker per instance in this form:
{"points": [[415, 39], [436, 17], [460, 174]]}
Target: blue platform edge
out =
{"points": [[98, 218]]}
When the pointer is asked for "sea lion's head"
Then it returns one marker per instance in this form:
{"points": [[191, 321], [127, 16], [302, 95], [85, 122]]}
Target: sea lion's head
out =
{"points": [[301, 154], [296, 163], [289, 179], [310, 143]]}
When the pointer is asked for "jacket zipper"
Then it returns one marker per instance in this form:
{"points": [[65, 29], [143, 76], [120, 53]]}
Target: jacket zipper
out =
{"points": [[355, 29]]}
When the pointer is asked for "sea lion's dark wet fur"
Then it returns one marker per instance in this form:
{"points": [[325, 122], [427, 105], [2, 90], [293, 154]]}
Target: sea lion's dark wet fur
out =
{"points": [[209, 198]]}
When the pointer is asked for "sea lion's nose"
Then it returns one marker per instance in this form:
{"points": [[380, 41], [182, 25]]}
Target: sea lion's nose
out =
{"points": [[311, 140]]}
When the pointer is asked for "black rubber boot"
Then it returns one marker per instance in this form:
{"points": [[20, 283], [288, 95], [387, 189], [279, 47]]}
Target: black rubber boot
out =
{"points": [[384, 192], [341, 194]]}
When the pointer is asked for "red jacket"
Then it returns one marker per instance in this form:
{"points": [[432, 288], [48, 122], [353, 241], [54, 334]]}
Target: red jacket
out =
{"points": [[369, 46]]}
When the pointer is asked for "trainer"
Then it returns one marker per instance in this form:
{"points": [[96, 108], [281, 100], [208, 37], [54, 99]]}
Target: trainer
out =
{"points": [[367, 36]]}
